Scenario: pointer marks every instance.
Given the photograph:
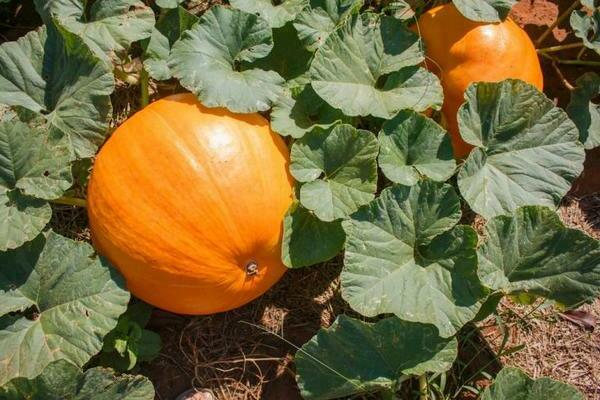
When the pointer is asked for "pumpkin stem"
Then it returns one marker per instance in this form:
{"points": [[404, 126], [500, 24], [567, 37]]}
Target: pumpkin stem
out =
{"points": [[251, 268]]}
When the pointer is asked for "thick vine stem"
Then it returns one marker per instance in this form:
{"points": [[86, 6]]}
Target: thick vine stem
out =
{"points": [[423, 388], [558, 21], [144, 82], [70, 201], [553, 49]]}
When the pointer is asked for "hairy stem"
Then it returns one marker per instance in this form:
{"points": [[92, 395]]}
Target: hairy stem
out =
{"points": [[558, 21], [553, 49], [423, 388], [70, 201], [144, 82]]}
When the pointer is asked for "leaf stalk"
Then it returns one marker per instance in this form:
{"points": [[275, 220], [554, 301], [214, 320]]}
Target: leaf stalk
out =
{"points": [[70, 201]]}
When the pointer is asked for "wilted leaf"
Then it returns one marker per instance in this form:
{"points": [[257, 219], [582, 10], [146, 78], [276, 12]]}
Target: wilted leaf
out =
{"points": [[532, 252], [167, 31], [207, 61], [338, 168], [485, 10], [316, 22], [527, 150], [110, 26], [404, 255], [168, 3], [276, 13], [353, 357], [61, 380], [514, 384], [307, 240], [587, 28], [583, 112], [72, 300], [370, 67], [411, 146], [52, 72], [295, 116]]}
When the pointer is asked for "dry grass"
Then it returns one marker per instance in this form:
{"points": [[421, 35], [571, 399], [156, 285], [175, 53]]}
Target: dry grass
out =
{"points": [[553, 346], [247, 353]]}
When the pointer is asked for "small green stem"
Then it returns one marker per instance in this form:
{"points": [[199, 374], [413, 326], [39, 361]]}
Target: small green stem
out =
{"points": [[553, 49], [423, 388], [144, 82], [70, 201], [558, 21]]}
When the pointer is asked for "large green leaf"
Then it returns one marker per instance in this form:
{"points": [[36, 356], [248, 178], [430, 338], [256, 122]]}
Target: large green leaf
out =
{"points": [[353, 357], [34, 161], [405, 256], [307, 240], [288, 58], [338, 168], [276, 12], [514, 384], [61, 380], [583, 112], [587, 28], [65, 299], [52, 72], [412, 145], [207, 61], [167, 31], [295, 116], [316, 22], [108, 27], [485, 10], [532, 252], [23, 218], [370, 67], [527, 150]]}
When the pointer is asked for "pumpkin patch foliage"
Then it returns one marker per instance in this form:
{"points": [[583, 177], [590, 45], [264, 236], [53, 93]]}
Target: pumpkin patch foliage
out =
{"points": [[337, 107]]}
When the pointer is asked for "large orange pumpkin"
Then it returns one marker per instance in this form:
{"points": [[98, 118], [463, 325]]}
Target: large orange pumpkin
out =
{"points": [[188, 203], [461, 51]]}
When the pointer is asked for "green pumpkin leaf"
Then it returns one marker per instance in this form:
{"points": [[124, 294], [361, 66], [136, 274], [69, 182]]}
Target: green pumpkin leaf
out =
{"points": [[527, 150], [288, 58], [34, 161], [23, 218], [353, 357], [169, 3], [307, 240], [587, 28], [128, 343], [512, 383], [405, 256], [73, 298], [61, 380], [338, 168], [110, 26], [530, 251], [370, 67], [208, 59], [53, 73], [412, 145], [167, 31], [295, 116], [316, 22], [276, 13], [485, 10], [583, 112]]}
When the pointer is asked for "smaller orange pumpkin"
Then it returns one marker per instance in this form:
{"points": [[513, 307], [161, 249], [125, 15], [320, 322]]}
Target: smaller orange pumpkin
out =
{"points": [[188, 203], [461, 51]]}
